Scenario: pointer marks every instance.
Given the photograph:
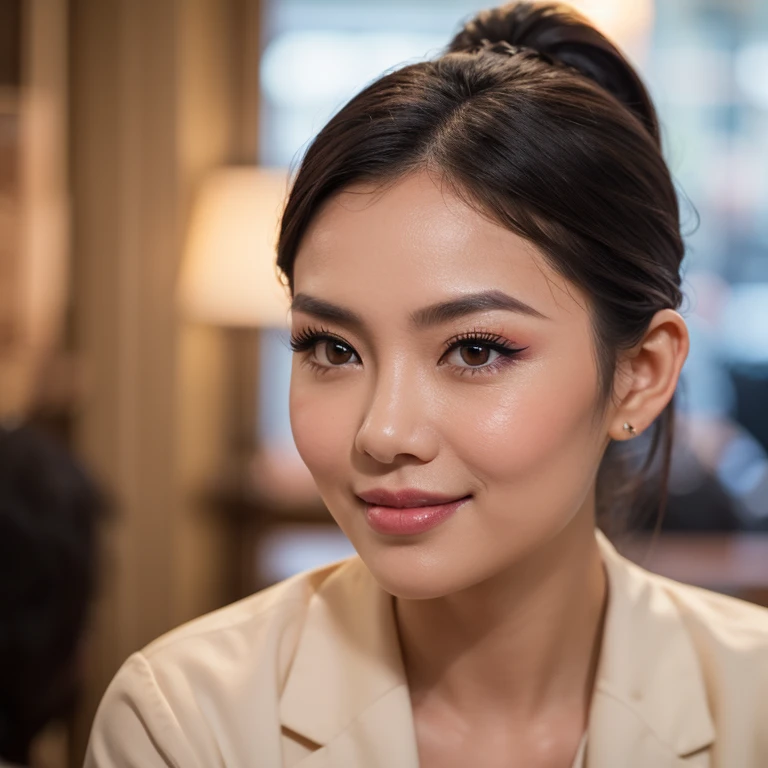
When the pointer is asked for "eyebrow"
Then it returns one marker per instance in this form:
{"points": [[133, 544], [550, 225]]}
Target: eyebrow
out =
{"points": [[434, 314]]}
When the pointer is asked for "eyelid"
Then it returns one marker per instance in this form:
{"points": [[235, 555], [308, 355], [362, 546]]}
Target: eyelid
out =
{"points": [[309, 337], [505, 349], [489, 337], [482, 338]]}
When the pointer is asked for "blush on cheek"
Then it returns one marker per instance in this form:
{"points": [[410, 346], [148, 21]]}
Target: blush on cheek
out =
{"points": [[318, 424], [522, 430]]}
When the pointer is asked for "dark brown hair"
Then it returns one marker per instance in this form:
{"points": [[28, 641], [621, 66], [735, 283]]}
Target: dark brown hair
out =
{"points": [[538, 121]]}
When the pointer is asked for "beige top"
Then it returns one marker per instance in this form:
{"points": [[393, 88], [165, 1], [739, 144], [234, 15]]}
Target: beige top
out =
{"points": [[308, 674], [581, 753]]}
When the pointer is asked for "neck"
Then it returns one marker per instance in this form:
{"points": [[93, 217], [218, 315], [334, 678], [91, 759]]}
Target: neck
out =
{"points": [[526, 641]]}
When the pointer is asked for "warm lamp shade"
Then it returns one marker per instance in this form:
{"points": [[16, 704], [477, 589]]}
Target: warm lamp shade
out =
{"points": [[229, 276]]}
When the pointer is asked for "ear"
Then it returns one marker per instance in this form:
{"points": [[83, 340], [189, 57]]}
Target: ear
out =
{"points": [[647, 375]]}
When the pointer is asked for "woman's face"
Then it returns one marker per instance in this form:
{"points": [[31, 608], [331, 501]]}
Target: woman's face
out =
{"points": [[439, 356]]}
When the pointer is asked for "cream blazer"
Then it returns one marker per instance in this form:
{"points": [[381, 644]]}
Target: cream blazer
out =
{"points": [[308, 674]]}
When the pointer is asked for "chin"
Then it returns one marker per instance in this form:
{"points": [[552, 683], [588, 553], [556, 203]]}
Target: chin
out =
{"points": [[410, 572]]}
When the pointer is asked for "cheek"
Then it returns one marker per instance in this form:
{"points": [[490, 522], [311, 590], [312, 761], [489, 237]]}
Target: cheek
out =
{"points": [[530, 429], [323, 426]]}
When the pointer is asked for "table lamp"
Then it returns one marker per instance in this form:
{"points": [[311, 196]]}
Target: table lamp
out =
{"points": [[229, 276], [229, 279]]}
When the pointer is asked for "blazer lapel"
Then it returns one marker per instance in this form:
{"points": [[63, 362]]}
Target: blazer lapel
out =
{"points": [[649, 706], [347, 694], [381, 736], [346, 690]]}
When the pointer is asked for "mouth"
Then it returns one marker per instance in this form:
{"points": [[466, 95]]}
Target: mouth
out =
{"points": [[407, 498], [408, 513]]}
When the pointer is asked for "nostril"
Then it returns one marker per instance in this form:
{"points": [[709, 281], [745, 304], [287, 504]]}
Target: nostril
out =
{"points": [[386, 435]]}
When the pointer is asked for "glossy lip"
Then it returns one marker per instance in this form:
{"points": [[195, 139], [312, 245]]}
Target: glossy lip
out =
{"points": [[408, 512], [406, 497]]}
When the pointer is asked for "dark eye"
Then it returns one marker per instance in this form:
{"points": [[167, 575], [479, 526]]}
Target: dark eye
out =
{"points": [[330, 352], [475, 354], [472, 355]]}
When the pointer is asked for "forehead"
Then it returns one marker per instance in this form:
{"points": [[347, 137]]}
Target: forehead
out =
{"points": [[417, 242]]}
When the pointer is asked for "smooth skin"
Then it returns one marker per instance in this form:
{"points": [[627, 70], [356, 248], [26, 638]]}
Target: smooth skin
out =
{"points": [[500, 607]]}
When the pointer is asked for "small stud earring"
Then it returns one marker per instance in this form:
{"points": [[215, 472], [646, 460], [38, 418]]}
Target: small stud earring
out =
{"points": [[629, 428]]}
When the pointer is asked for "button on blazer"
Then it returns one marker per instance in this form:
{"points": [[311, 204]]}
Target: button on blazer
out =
{"points": [[308, 674]]}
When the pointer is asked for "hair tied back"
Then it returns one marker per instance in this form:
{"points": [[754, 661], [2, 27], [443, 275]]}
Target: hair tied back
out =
{"points": [[505, 48], [558, 34]]}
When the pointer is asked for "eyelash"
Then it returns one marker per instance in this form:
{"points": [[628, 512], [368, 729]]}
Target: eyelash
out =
{"points": [[308, 338]]}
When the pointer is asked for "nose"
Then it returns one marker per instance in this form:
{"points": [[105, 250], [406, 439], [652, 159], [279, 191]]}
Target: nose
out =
{"points": [[396, 422]]}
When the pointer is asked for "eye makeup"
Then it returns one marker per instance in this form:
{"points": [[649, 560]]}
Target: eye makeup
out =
{"points": [[500, 351], [481, 340]]}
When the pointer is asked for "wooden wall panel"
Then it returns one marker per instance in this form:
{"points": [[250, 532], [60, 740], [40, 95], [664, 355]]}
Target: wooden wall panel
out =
{"points": [[154, 108]]}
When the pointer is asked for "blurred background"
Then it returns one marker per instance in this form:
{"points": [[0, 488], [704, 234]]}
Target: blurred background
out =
{"points": [[145, 147]]}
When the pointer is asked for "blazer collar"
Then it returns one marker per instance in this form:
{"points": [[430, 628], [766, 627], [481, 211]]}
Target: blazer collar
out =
{"points": [[346, 689], [649, 691], [347, 692]]}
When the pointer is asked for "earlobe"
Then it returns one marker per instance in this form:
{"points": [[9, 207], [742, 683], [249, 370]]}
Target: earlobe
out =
{"points": [[650, 372]]}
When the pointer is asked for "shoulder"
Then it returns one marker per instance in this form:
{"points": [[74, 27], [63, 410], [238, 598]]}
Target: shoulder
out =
{"points": [[691, 664], [192, 689], [712, 619], [258, 615], [260, 629], [729, 620], [717, 620], [730, 637], [729, 640]]}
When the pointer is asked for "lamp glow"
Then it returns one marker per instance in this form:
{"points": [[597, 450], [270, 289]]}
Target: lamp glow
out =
{"points": [[627, 22], [229, 276]]}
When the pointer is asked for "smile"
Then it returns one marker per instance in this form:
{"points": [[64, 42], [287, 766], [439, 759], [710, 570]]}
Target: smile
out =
{"points": [[408, 513]]}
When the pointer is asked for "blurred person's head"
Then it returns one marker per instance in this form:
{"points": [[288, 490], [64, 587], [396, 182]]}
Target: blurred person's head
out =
{"points": [[484, 254], [49, 509]]}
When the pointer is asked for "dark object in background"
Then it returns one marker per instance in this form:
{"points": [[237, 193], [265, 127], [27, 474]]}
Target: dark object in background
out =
{"points": [[49, 511], [751, 384], [698, 500], [10, 43]]}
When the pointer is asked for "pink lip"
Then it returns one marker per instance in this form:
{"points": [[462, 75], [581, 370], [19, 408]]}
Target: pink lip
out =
{"points": [[404, 498], [407, 512]]}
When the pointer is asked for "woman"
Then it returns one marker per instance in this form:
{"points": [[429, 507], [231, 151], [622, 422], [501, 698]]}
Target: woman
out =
{"points": [[483, 253]]}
